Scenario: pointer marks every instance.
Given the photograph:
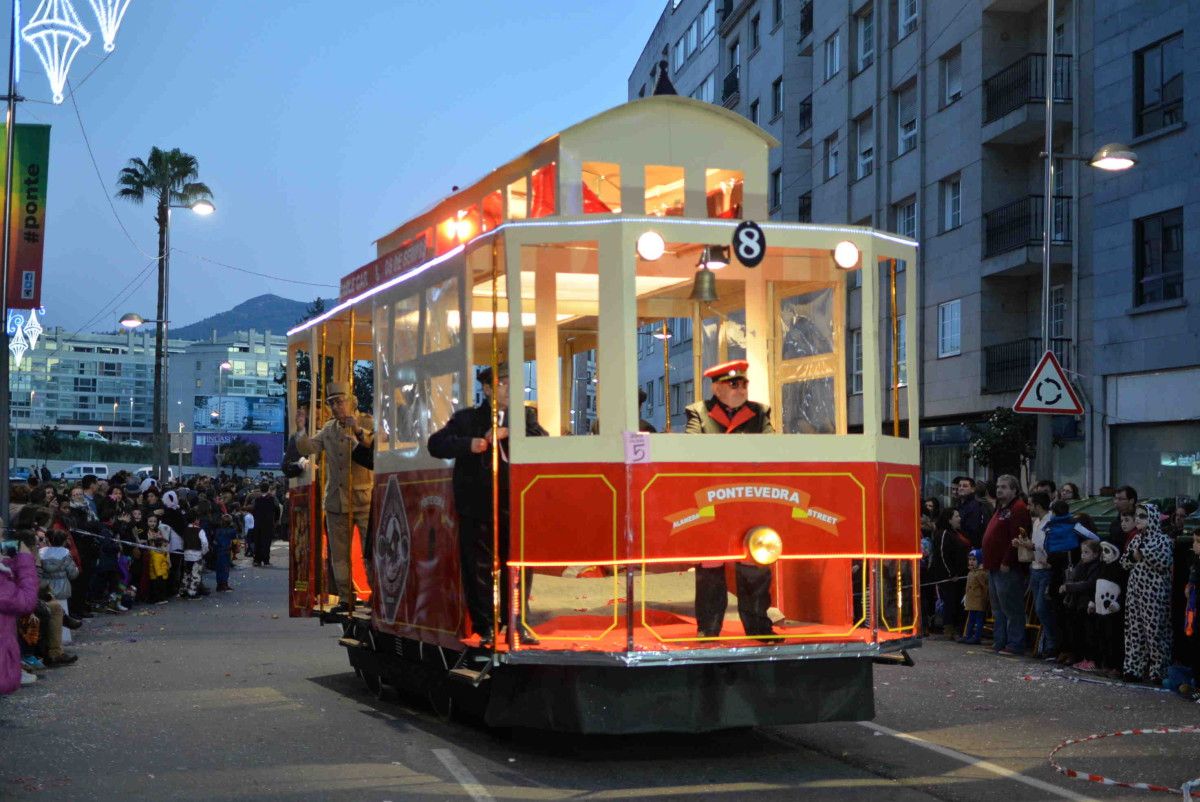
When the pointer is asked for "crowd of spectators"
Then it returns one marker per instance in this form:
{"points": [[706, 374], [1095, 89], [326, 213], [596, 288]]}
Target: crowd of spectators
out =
{"points": [[104, 546], [1118, 600]]}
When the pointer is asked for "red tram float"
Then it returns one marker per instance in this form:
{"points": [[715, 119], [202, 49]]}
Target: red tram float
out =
{"points": [[564, 263]]}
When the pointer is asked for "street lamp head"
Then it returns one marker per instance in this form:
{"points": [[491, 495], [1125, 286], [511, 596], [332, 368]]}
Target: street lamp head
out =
{"points": [[131, 320], [203, 207], [1114, 157], [226, 365]]}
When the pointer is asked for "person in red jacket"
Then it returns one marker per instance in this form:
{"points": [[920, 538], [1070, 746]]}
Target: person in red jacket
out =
{"points": [[1006, 575], [18, 597]]}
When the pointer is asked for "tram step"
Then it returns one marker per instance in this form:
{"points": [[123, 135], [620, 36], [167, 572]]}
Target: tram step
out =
{"points": [[351, 643], [468, 675]]}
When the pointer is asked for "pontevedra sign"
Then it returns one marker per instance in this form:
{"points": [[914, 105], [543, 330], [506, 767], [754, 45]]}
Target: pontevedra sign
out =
{"points": [[27, 226]]}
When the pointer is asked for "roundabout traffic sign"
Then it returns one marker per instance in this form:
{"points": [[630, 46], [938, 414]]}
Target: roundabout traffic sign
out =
{"points": [[1048, 391]]}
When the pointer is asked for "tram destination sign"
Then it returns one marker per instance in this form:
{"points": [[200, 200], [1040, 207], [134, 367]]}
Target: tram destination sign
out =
{"points": [[386, 267]]}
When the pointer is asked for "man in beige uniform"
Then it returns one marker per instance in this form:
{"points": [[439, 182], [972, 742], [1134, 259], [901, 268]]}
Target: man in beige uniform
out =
{"points": [[347, 483]]}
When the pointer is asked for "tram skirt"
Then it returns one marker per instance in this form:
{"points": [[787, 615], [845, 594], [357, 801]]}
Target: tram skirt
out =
{"points": [[682, 697]]}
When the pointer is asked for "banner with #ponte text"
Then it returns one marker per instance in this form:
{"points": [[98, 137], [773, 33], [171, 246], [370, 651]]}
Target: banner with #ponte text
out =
{"points": [[31, 153]]}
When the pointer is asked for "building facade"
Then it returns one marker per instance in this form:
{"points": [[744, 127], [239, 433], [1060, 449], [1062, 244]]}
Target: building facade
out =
{"points": [[927, 117]]}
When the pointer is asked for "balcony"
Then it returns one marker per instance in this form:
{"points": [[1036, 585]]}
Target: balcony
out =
{"points": [[1012, 236], [730, 94], [1007, 366], [1014, 98]]}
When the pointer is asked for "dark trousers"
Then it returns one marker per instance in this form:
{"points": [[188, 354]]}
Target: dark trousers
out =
{"points": [[176, 577], [224, 561], [1078, 634], [974, 626], [950, 591], [159, 589], [475, 545], [262, 544], [1110, 639], [753, 598]]}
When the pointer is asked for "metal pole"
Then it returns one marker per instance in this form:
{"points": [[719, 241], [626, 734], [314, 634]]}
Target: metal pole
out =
{"points": [[895, 314], [666, 338], [162, 457], [10, 125], [1044, 459], [495, 455]]}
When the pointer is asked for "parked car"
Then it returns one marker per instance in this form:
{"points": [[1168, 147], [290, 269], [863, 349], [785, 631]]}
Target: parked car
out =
{"points": [[82, 469], [95, 437], [134, 443], [146, 472]]}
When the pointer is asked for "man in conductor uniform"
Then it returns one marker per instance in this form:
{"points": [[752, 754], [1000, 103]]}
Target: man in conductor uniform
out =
{"points": [[348, 484], [729, 412], [467, 438]]}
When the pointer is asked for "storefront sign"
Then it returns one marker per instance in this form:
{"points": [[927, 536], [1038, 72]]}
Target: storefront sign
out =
{"points": [[31, 153]]}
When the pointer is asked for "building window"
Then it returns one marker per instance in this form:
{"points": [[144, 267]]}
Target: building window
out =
{"points": [[804, 208], [833, 55], [833, 157], [856, 361], [735, 55], [951, 69], [951, 203], [707, 90], [680, 53], [708, 22], [864, 25], [754, 111], [906, 119], [907, 17], [1159, 258], [950, 328], [777, 97], [906, 218], [864, 134], [776, 197], [1058, 311], [755, 40], [1159, 75], [777, 7]]}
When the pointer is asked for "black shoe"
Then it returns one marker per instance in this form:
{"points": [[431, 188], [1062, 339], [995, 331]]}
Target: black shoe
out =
{"points": [[70, 622], [86, 613], [340, 608], [63, 659]]}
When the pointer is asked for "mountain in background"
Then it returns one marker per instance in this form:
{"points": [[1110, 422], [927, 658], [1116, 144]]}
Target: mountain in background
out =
{"points": [[263, 313]]}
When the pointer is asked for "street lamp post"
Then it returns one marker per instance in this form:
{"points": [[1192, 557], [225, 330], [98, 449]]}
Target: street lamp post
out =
{"points": [[1111, 157], [162, 454]]}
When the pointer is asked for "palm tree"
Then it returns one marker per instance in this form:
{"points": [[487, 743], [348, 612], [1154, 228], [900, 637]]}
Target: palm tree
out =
{"points": [[170, 177]]}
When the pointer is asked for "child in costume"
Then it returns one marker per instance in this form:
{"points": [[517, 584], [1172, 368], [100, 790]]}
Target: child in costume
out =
{"points": [[1148, 599], [975, 600], [1079, 592]]}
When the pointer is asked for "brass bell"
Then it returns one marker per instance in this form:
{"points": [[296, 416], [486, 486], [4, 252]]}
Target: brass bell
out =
{"points": [[704, 288]]}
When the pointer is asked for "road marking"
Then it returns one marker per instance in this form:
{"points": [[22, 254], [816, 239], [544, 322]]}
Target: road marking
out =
{"points": [[1008, 774], [465, 778]]}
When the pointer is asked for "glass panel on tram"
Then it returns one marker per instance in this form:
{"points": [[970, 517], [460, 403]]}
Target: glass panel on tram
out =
{"points": [[891, 320], [601, 182], [664, 191]]}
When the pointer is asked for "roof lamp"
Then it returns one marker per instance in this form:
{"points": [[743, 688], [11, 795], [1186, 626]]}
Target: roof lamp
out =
{"points": [[714, 257], [203, 207], [131, 320], [1113, 157], [845, 254], [464, 228], [650, 246]]}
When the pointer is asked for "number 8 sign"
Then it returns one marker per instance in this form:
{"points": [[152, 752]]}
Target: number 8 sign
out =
{"points": [[749, 243]]}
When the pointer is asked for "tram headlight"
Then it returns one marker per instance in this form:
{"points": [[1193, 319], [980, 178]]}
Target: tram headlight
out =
{"points": [[845, 254], [764, 545], [650, 246]]}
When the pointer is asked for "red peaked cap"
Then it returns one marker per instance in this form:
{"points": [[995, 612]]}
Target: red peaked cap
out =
{"points": [[734, 369]]}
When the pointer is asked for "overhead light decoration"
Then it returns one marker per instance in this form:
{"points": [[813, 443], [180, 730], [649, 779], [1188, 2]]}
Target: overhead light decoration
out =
{"points": [[845, 254], [109, 14], [33, 329], [650, 246], [23, 333], [57, 35]]}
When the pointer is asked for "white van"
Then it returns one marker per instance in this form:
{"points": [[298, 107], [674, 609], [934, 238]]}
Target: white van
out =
{"points": [[146, 472], [95, 437], [82, 469]]}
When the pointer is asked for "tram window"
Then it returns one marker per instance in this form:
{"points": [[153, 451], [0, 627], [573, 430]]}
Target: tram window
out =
{"points": [[807, 366], [442, 395], [601, 187], [560, 314], [723, 190], [442, 319], [364, 385], [664, 191], [542, 196], [406, 317], [723, 338], [895, 392], [518, 199], [493, 209], [383, 401]]}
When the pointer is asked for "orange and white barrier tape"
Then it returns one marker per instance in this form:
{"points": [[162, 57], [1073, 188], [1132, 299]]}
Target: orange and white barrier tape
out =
{"points": [[1186, 789]]}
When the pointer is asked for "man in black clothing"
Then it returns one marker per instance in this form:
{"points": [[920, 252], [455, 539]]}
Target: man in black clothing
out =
{"points": [[1125, 500], [468, 439], [265, 510], [730, 412], [971, 510]]}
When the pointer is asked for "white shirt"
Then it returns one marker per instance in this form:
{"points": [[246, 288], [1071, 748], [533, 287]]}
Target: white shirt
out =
{"points": [[1040, 559], [248, 523]]}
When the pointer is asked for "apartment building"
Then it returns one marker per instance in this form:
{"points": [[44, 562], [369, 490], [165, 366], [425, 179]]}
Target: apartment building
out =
{"points": [[927, 117], [242, 364]]}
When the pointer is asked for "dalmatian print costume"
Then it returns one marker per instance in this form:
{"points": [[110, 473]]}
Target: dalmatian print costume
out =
{"points": [[1148, 601]]}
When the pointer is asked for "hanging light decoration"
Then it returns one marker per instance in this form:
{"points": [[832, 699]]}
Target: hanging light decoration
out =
{"points": [[109, 14], [56, 35], [33, 328], [17, 344]]}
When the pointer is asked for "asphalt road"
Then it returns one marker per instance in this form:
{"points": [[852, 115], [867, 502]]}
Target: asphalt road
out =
{"points": [[228, 699]]}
